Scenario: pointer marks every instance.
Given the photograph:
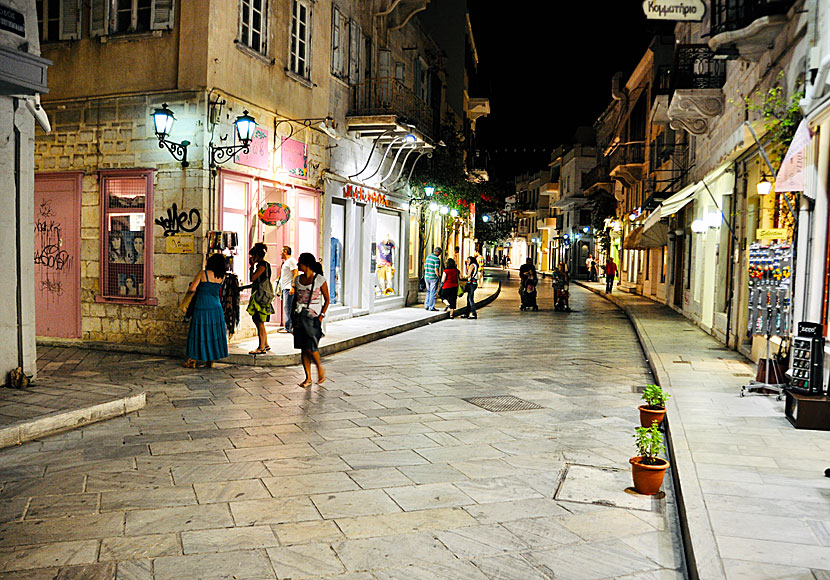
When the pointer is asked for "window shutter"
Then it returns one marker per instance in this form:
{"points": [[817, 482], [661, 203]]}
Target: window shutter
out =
{"points": [[70, 20], [335, 42], [384, 64], [354, 51], [162, 15], [418, 83], [99, 17]]}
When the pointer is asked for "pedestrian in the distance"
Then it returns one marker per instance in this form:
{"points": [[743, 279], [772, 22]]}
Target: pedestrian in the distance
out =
{"points": [[594, 271], [472, 271], [449, 286], [288, 271], [589, 265], [260, 307], [610, 273], [207, 340], [311, 300], [432, 274]]}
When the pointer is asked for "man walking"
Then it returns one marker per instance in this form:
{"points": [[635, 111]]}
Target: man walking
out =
{"points": [[432, 273], [610, 272], [286, 285]]}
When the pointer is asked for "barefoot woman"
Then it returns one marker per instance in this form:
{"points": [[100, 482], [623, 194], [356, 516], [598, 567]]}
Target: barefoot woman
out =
{"points": [[311, 300]]}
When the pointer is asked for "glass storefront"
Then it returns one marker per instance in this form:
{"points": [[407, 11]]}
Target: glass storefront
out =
{"points": [[336, 273], [386, 253]]}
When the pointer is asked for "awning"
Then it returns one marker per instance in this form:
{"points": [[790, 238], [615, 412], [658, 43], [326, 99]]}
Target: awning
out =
{"points": [[653, 219], [656, 236], [632, 240], [677, 202], [567, 202]]}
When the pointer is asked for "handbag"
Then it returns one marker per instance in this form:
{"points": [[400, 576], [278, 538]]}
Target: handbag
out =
{"points": [[185, 303], [462, 287], [305, 319]]}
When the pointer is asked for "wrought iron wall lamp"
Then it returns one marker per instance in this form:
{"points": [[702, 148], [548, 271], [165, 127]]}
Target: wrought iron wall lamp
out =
{"points": [[163, 122]]}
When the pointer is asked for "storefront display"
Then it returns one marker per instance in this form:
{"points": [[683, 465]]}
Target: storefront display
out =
{"points": [[386, 253], [125, 224], [337, 242], [770, 271]]}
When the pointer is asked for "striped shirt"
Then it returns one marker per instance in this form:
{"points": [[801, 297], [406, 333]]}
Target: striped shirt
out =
{"points": [[432, 263]]}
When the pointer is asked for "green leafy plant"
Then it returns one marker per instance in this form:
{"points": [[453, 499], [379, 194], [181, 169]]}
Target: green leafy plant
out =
{"points": [[649, 443], [781, 115], [655, 397]]}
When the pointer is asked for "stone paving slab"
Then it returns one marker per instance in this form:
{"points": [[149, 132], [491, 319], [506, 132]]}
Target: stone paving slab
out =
{"points": [[384, 472], [752, 492]]}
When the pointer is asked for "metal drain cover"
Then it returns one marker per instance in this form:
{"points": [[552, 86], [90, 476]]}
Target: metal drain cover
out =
{"points": [[501, 403]]}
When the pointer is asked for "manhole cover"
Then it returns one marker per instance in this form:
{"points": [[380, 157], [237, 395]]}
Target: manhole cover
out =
{"points": [[604, 486], [501, 403]]}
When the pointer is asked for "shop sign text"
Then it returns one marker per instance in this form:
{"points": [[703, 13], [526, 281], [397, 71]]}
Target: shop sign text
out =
{"points": [[687, 10], [12, 21], [360, 194], [771, 234], [180, 244], [259, 154], [294, 158]]}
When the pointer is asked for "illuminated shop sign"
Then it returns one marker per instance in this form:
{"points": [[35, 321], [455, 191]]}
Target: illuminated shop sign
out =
{"points": [[360, 194]]}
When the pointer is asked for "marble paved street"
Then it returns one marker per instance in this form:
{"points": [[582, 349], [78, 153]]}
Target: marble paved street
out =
{"points": [[385, 472]]}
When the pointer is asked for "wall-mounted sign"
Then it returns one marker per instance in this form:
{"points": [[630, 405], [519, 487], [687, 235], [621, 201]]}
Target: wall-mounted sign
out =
{"points": [[259, 151], [294, 158], [274, 214], [771, 234], [12, 21], [180, 244], [360, 194], [687, 10]]}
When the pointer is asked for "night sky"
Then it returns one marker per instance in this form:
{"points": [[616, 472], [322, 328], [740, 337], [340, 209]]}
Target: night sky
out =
{"points": [[548, 66]]}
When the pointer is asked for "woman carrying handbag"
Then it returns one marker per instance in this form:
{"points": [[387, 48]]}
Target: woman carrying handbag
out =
{"points": [[311, 300]]}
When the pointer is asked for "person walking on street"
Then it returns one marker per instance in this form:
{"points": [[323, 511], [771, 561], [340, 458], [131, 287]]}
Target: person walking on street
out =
{"points": [[610, 273], [589, 264], [207, 340], [260, 306], [432, 273], [472, 271], [449, 286], [309, 305], [288, 272]]}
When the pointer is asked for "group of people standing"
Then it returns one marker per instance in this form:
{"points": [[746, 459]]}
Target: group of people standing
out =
{"points": [[449, 278], [305, 296]]}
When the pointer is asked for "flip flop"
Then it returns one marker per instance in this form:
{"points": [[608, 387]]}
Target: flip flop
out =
{"points": [[306, 383], [257, 351]]}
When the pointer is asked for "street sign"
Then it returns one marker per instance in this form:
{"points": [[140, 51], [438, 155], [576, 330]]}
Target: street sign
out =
{"points": [[686, 10]]}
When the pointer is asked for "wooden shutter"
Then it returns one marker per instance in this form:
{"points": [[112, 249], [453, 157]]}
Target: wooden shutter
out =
{"points": [[418, 81], [354, 52], [162, 15], [384, 64], [99, 17], [336, 42], [70, 20]]}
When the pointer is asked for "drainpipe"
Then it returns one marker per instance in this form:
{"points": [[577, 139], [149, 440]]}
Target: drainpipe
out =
{"points": [[17, 225]]}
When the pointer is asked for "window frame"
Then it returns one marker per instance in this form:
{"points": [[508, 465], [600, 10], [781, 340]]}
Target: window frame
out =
{"points": [[294, 40], [102, 21], [68, 19], [243, 239], [149, 298], [248, 6]]}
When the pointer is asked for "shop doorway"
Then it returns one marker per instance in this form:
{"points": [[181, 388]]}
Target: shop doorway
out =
{"points": [[677, 274], [57, 255]]}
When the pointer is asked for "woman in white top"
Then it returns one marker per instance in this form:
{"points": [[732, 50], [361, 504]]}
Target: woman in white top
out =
{"points": [[311, 300]]}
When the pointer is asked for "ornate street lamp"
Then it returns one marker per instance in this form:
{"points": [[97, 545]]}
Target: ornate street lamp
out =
{"points": [[162, 123], [764, 186], [245, 126]]}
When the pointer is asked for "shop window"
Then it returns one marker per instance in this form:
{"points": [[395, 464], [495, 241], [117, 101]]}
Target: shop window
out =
{"points": [[648, 263], [129, 16], [386, 253], [59, 20], [307, 223], [664, 257], [299, 54], [253, 24], [127, 259], [235, 201], [336, 271]]}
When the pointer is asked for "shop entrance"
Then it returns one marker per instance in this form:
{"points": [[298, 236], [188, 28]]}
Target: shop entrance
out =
{"points": [[57, 255]]}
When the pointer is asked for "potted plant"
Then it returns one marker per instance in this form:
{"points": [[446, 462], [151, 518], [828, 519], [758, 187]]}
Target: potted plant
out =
{"points": [[647, 469], [655, 406]]}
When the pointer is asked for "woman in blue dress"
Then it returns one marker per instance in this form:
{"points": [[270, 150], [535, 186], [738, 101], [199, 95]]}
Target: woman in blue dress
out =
{"points": [[207, 339]]}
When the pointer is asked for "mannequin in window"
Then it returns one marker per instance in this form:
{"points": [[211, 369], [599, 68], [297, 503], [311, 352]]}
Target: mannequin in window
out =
{"points": [[386, 264], [334, 268]]}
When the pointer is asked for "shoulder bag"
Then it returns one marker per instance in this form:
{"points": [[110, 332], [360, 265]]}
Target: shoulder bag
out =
{"points": [[305, 320]]}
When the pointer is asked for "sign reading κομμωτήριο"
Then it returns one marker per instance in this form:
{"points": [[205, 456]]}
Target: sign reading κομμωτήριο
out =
{"points": [[688, 10]]}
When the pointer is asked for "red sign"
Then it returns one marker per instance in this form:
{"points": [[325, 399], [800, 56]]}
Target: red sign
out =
{"points": [[274, 214], [360, 194], [259, 154]]}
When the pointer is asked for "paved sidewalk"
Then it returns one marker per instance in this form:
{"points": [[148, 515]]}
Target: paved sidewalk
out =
{"points": [[752, 492], [77, 386]]}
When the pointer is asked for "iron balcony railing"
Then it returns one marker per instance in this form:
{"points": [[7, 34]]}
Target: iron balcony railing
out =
{"points": [[633, 153], [599, 174], [696, 68], [389, 96], [728, 15]]}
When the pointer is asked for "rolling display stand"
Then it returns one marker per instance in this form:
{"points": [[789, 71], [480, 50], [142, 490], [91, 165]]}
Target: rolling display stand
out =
{"points": [[770, 271], [807, 407]]}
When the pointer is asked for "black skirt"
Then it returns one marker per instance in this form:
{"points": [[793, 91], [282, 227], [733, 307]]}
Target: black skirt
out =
{"points": [[450, 295], [307, 332]]}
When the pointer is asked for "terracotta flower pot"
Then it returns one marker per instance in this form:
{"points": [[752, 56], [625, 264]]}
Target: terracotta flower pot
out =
{"points": [[648, 415], [648, 478]]}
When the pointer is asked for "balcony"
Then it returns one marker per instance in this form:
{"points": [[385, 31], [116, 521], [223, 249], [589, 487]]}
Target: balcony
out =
{"points": [[697, 82], [747, 26], [597, 178], [550, 189], [380, 103], [627, 162]]}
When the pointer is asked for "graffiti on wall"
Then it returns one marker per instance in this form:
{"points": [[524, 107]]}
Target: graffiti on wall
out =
{"points": [[177, 221], [50, 256]]}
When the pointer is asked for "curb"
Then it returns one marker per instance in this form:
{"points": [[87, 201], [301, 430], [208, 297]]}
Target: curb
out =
{"points": [[59, 421], [286, 360], [699, 544]]}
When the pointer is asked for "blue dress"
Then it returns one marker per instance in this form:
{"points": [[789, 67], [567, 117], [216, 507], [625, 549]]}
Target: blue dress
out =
{"points": [[207, 339]]}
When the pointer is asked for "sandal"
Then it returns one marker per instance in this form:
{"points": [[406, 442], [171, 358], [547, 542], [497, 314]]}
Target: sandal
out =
{"points": [[321, 380], [190, 364], [306, 383], [267, 348], [257, 351]]}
